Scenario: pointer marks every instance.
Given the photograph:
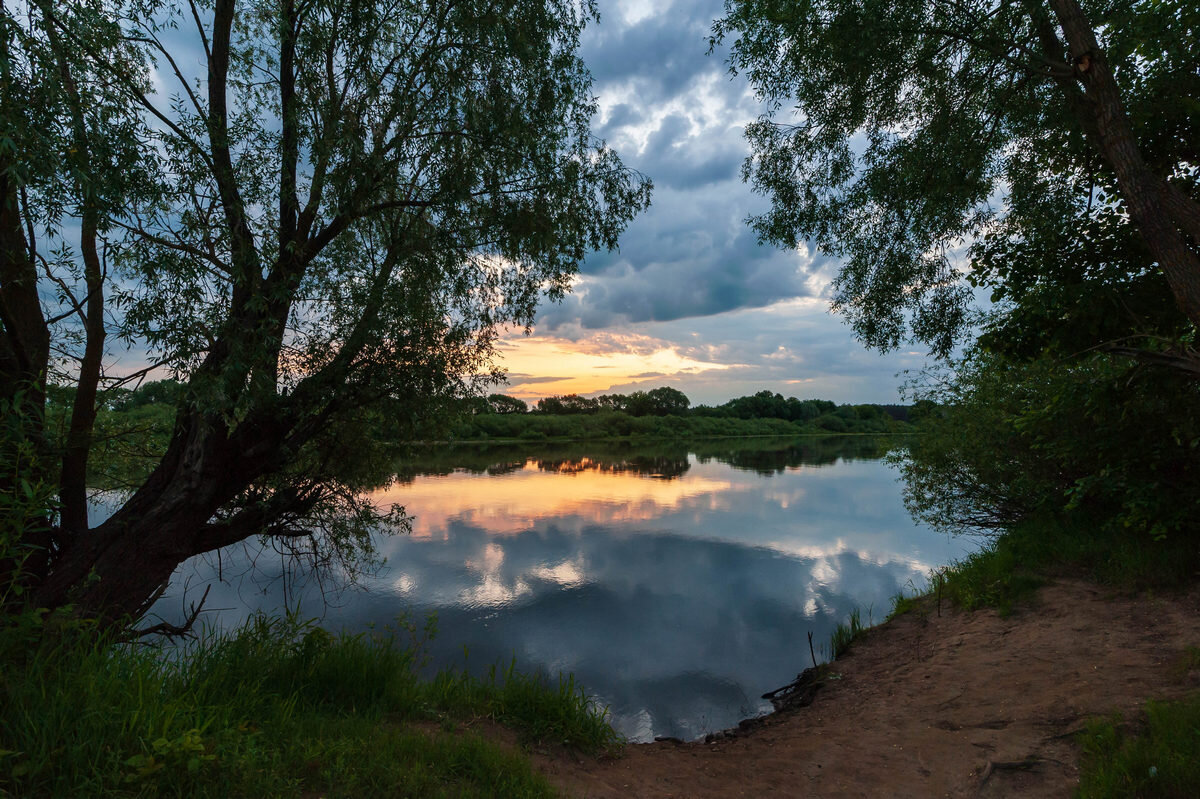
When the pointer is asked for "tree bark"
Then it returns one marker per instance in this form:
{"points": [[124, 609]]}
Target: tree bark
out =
{"points": [[24, 339], [1154, 205], [73, 479], [114, 571]]}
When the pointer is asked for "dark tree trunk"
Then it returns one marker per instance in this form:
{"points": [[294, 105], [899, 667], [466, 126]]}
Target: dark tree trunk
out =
{"points": [[1161, 211], [116, 569], [73, 479], [24, 339], [24, 353]]}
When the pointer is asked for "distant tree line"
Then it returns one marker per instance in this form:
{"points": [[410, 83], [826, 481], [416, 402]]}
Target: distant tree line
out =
{"points": [[662, 401], [667, 401], [136, 423], [667, 411]]}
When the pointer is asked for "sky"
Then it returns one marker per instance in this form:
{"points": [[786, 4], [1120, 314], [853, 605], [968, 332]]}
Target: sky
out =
{"points": [[691, 300]]}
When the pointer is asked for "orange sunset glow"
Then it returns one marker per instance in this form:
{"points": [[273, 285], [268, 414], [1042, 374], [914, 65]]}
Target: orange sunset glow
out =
{"points": [[590, 365], [510, 504]]}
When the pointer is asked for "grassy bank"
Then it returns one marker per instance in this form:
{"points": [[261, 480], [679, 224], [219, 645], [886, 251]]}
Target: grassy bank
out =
{"points": [[1010, 566], [277, 708], [1154, 755]]}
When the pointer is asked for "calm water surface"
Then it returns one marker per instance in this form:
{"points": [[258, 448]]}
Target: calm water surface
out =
{"points": [[678, 582]]}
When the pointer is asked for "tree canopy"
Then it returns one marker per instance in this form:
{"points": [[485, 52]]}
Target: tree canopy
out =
{"points": [[502, 403], [661, 401], [1044, 149], [332, 218]]}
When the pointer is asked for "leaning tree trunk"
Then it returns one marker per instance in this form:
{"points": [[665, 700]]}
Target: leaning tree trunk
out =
{"points": [[116, 570], [113, 571], [1165, 216]]}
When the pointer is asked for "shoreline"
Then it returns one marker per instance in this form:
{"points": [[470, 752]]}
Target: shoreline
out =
{"points": [[966, 703]]}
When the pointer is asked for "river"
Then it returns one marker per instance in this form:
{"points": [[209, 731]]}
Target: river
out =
{"points": [[677, 581]]}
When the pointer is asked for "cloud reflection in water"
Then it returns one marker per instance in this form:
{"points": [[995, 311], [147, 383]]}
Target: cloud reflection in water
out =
{"points": [[677, 600]]}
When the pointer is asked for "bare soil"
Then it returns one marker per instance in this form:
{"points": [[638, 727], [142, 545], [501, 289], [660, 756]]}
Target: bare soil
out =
{"points": [[961, 704]]}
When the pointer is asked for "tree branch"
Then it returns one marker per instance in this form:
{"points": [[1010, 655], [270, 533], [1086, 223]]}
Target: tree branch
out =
{"points": [[172, 630], [290, 149], [1189, 363], [245, 275]]}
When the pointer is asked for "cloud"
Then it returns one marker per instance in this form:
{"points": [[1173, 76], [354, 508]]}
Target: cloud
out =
{"points": [[673, 113], [691, 299], [596, 361], [517, 377], [795, 347], [692, 255], [660, 53]]}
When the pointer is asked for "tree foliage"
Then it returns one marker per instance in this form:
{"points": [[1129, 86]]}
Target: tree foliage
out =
{"points": [[567, 404], [1104, 439], [1044, 149], [661, 401], [502, 403], [328, 221]]}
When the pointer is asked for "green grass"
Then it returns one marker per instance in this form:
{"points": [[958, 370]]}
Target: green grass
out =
{"points": [[1162, 759], [904, 603], [844, 634], [278, 708], [1187, 662], [1009, 568]]}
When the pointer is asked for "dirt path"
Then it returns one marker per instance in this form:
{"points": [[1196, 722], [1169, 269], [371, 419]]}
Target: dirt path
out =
{"points": [[968, 704]]}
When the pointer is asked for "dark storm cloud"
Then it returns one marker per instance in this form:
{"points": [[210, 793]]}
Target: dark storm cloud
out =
{"points": [[690, 256], [623, 115], [673, 114], [679, 160], [662, 54]]}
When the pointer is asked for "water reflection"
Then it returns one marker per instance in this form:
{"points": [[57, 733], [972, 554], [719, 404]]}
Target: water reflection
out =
{"points": [[511, 502], [762, 455], [677, 582]]}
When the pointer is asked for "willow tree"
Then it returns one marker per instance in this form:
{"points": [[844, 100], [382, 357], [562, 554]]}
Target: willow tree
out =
{"points": [[336, 212], [1045, 149]]}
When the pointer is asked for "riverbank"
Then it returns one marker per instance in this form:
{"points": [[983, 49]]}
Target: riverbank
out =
{"points": [[275, 708], [957, 704]]}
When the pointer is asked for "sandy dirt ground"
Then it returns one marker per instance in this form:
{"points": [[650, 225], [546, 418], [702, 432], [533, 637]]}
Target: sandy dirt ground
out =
{"points": [[965, 704]]}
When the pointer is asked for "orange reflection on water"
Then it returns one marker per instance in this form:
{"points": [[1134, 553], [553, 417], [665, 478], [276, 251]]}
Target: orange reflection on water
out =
{"points": [[511, 503]]}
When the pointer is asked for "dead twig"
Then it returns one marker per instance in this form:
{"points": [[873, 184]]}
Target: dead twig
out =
{"points": [[175, 630]]}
